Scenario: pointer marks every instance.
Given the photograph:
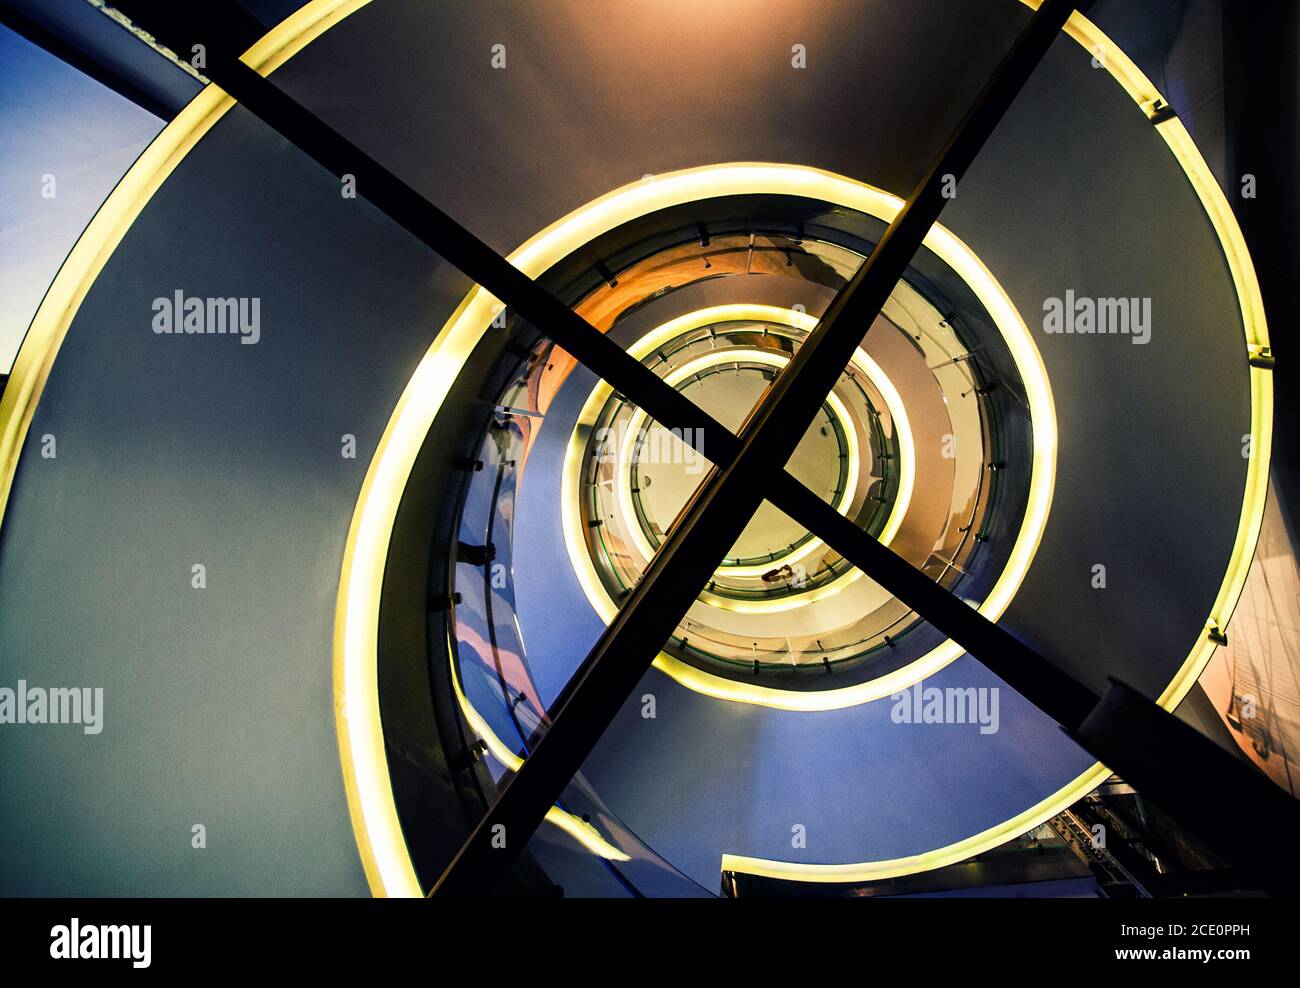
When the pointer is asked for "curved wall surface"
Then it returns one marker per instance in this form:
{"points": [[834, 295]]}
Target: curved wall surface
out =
{"points": [[176, 451]]}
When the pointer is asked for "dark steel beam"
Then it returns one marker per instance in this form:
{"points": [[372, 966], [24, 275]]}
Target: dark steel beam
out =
{"points": [[719, 510], [1035, 678], [199, 22], [1238, 812]]}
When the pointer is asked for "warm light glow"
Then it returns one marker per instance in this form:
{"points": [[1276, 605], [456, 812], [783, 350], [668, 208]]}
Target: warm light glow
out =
{"points": [[1254, 324], [572, 522], [1255, 328], [726, 603], [365, 772], [577, 828], [380, 843], [842, 192], [877, 871]]}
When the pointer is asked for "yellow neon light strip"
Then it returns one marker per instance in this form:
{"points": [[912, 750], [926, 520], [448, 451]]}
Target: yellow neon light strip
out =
{"points": [[773, 605], [1254, 323], [940, 240], [875, 871], [379, 839], [1255, 326], [356, 630], [748, 312], [729, 313], [583, 565], [716, 358], [577, 828], [109, 225]]}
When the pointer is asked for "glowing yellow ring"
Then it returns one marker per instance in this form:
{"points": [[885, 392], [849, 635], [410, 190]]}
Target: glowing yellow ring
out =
{"points": [[740, 179], [753, 312], [1255, 326], [643, 546], [363, 760], [577, 828], [1224, 221], [656, 338], [749, 355]]}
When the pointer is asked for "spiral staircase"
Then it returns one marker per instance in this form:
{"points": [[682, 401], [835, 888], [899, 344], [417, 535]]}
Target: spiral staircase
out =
{"points": [[729, 441]]}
